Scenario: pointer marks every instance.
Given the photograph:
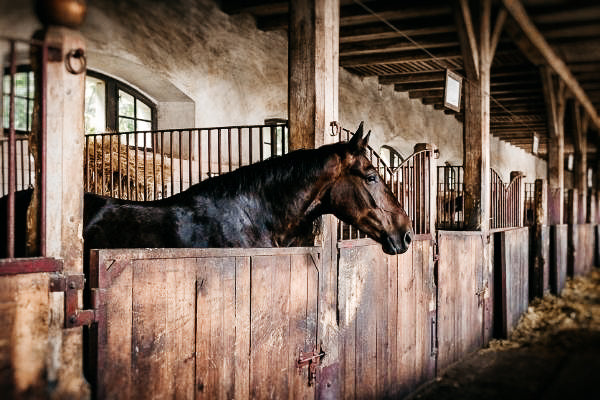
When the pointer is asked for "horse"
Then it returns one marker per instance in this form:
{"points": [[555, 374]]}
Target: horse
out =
{"points": [[273, 203]]}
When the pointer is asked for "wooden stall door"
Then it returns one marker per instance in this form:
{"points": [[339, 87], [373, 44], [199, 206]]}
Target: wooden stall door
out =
{"points": [[558, 257], [387, 319], [205, 324], [465, 287]]}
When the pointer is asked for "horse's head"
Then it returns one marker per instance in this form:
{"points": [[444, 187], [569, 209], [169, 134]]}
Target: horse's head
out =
{"points": [[360, 197]]}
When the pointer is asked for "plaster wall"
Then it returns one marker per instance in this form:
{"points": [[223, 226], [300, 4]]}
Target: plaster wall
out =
{"points": [[206, 68]]}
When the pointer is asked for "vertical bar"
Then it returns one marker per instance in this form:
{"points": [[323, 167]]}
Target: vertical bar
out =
{"points": [[219, 152], [135, 164], [199, 155], [261, 143], [21, 143], [154, 146], [103, 182], [250, 145], [162, 165], [229, 148], [110, 140], [179, 139], [239, 147], [119, 171], [128, 173], [145, 172], [10, 212], [43, 149], [190, 163], [209, 153], [172, 163], [86, 163]]}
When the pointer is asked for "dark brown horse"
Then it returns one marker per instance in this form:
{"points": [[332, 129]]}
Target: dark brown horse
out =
{"points": [[268, 204]]}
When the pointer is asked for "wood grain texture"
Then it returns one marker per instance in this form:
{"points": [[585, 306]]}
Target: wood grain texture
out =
{"points": [[558, 257]]}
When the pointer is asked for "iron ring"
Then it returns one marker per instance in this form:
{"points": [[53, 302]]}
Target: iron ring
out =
{"points": [[79, 54]]}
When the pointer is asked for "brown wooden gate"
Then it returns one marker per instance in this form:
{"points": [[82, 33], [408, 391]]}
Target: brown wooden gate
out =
{"points": [[204, 323], [465, 306], [386, 319]]}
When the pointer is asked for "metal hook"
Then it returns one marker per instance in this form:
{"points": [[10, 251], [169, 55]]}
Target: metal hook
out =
{"points": [[79, 54], [336, 128]]}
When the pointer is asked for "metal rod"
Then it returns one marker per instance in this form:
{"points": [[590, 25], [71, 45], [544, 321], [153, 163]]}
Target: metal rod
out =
{"points": [[179, 140], [10, 212]]}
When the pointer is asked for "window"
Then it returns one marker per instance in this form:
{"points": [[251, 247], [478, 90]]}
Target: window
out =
{"points": [[24, 90], [391, 157], [110, 105]]}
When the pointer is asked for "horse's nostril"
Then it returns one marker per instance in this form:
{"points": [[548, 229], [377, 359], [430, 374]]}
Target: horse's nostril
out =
{"points": [[407, 238]]}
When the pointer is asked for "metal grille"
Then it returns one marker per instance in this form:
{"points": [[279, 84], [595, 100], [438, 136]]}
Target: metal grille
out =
{"points": [[505, 202], [450, 197], [529, 205], [152, 165]]}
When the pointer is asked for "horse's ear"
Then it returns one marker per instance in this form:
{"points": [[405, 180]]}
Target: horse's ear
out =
{"points": [[356, 142]]}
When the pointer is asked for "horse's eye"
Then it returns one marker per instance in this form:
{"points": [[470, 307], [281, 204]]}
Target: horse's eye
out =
{"points": [[372, 178]]}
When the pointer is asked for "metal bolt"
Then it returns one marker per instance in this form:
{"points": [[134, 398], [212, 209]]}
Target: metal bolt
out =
{"points": [[73, 319], [72, 285]]}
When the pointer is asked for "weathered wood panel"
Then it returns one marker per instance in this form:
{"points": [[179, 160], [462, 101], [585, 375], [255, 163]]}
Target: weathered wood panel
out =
{"points": [[558, 257], [597, 251], [464, 288], [514, 275], [387, 319], [205, 323], [24, 317], [584, 249]]}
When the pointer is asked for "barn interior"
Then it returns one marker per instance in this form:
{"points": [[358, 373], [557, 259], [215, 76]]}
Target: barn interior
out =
{"points": [[484, 124]]}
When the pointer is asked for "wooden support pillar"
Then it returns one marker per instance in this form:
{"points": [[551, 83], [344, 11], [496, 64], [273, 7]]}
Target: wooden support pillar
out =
{"points": [[475, 45], [572, 216], [313, 69], [580, 168], [65, 94], [554, 96], [539, 266]]}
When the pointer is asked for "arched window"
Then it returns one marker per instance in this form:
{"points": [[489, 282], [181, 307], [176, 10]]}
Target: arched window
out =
{"points": [[391, 156], [110, 105]]}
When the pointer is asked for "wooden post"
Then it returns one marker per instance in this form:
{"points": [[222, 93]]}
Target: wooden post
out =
{"points": [[572, 215], [313, 68], [539, 266], [64, 197], [476, 148], [580, 170], [554, 96]]}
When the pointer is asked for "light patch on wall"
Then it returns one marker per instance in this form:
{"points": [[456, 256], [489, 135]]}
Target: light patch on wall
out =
{"points": [[536, 144]]}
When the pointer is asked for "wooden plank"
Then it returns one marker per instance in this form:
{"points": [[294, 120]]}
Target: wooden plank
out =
{"points": [[114, 377], [392, 324], [269, 319], [242, 328], [405, 338], [381, 309], [181, 327], [24, 315], [149, 362]]}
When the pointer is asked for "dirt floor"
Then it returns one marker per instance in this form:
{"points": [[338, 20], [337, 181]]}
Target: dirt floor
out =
{"points": [[554, 353]]}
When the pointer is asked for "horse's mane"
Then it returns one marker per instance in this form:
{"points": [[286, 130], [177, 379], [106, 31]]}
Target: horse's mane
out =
{"points": [[298, 167]]}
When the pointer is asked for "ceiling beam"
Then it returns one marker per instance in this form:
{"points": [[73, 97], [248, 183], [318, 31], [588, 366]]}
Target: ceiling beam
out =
{"points": [[412, 77], [517, 12], [468, 41], [398, 57]]}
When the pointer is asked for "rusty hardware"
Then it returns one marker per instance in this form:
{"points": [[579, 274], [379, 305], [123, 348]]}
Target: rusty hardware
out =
{"points": [[336, 128], [434, 347], [310, 359], [481, 295], [71, 285], [78, 54]]}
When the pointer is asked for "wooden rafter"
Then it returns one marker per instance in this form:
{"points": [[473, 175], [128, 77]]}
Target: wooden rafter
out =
{"points": [[538, 42], [466, 33]]}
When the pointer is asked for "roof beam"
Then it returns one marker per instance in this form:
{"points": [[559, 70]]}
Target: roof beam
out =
{"points": [[517, 12], [466, 34]]}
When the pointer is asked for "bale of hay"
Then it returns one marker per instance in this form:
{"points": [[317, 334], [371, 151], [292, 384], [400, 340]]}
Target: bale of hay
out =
{"points": [[117, 170]]}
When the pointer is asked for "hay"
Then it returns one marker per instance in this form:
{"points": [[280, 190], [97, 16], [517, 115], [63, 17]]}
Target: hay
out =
{"points": [[578, 307], [103, 163]]}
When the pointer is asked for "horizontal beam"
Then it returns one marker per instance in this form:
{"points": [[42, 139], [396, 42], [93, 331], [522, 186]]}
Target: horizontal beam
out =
{"points": [[397, 44], [412, 77], [398, 57]]}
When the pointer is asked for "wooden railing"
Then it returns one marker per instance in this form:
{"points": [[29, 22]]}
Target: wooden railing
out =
{"points": [[24, 168], [505, 202]]}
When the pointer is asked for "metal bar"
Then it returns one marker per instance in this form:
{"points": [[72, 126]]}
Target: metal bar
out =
{"points": [[250, 145], [29, 265], [119, 172], [145, 173], [179, 140], [171, 155], [111, 166], [43, 150], [190, 163], [10, 212], [229, 148], [154, 146], [240, 147], [219, 152], [261, 140], [209, 153], [21, 142], [199, 155], [162, 165]]}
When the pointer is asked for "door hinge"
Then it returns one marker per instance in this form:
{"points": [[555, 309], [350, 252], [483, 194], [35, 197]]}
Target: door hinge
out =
{"points": [[310, 359], [71, 285], [434, 345]]}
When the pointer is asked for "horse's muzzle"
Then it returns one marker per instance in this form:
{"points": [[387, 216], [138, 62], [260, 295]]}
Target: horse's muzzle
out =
{"points": [[400, 245]]}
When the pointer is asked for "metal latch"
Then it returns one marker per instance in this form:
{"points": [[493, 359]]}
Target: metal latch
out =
{"points": [[71, 285], [312, 359]]}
